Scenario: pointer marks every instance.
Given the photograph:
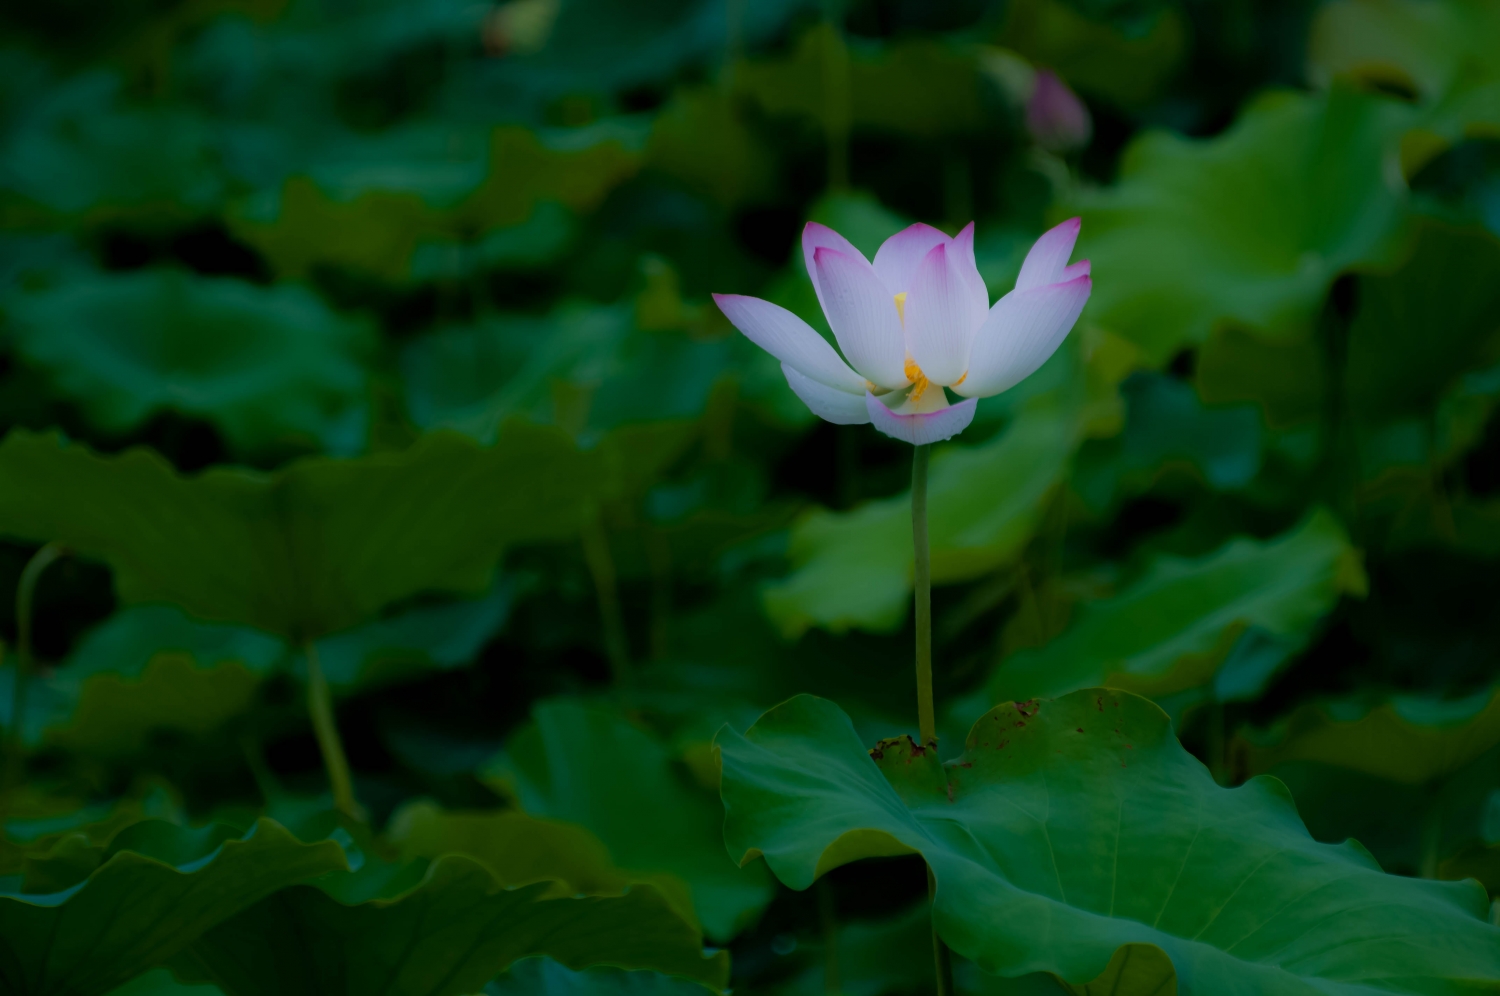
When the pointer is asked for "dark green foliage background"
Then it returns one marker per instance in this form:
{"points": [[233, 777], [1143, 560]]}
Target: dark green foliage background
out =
{"points": [[382, 330]]}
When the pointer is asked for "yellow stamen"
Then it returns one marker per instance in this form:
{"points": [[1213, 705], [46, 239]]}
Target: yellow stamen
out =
{"points": [[901, 306], [919, 381], [961, 379]]}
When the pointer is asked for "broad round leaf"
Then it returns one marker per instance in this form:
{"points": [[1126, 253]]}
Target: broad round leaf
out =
{"points": [[132, 905], [1070, 828], [313, 549]]}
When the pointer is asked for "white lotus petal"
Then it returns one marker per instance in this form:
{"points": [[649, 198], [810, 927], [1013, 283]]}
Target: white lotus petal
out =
{"points": [[1023, 329], [789, 339], [863, 317], [899, 256], [961, 256], [815, 237], [940, 318], [925, 427], [1049, 256], [828, 403]]}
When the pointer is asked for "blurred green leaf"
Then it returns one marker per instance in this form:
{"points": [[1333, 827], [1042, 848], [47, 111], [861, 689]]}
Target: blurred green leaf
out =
{"points": [[159, 982], [78, 149], [1250, 227], [854, 569], [1408, 739], [273, 369], [1173, 627], [536, 888], [1128, 68], [1438, 54], [315, 548], [435, 637], [587, 764], [995, 824], [370, 214], [140, 900], [545, 977], [921, 86], [1167, 426]]}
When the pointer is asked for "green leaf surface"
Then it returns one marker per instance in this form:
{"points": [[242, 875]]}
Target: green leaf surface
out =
{"points": [[1070, 828], [1408, 739], [134, 903], [545, 977], [274, 369], [1173, 627], [1249, 227], [160, 982], [586, 763], [313, 549], [533, 888], [362, 213]]}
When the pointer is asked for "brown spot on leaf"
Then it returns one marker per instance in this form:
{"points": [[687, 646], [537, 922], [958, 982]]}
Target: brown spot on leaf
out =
{"points": [[1080, 729]]}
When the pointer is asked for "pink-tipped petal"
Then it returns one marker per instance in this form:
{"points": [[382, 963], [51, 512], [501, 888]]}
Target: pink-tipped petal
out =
{"points": [[863, 317], [940, 318], [922, 428], [1078, 269], [815, 237], [1024, 328], [1049, 256], [962, 256], [789, 339], [899, 256], [828, 403]]}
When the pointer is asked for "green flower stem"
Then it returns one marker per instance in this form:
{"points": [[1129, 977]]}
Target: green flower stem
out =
{"points": [[602, 567], [15, 745], [320, 708], [926, 716]]}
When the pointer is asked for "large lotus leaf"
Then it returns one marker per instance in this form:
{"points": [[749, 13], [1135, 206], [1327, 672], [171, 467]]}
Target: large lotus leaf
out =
{"points": [[1408, 739], [1440, 53], [921, 87], [854, 569], [369, 214], [272, 368], [1167, 426], [146, 667], [133, 904], [586, 763], [1249, 227], [75, 149], [702, 140], [533, 888], [545, 977], [313, 549], [436, 637], [1037, 867], [1173, 627]]}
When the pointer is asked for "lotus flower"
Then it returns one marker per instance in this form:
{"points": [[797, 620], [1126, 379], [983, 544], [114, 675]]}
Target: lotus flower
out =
{"points": [[1055, 116], [915, 322]]}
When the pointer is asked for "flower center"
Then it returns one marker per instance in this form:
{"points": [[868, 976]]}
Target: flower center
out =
{"points": [[919, 381]]}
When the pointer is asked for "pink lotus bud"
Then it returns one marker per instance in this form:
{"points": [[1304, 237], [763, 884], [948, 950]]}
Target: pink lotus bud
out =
{"points": [[1055, 116]]}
